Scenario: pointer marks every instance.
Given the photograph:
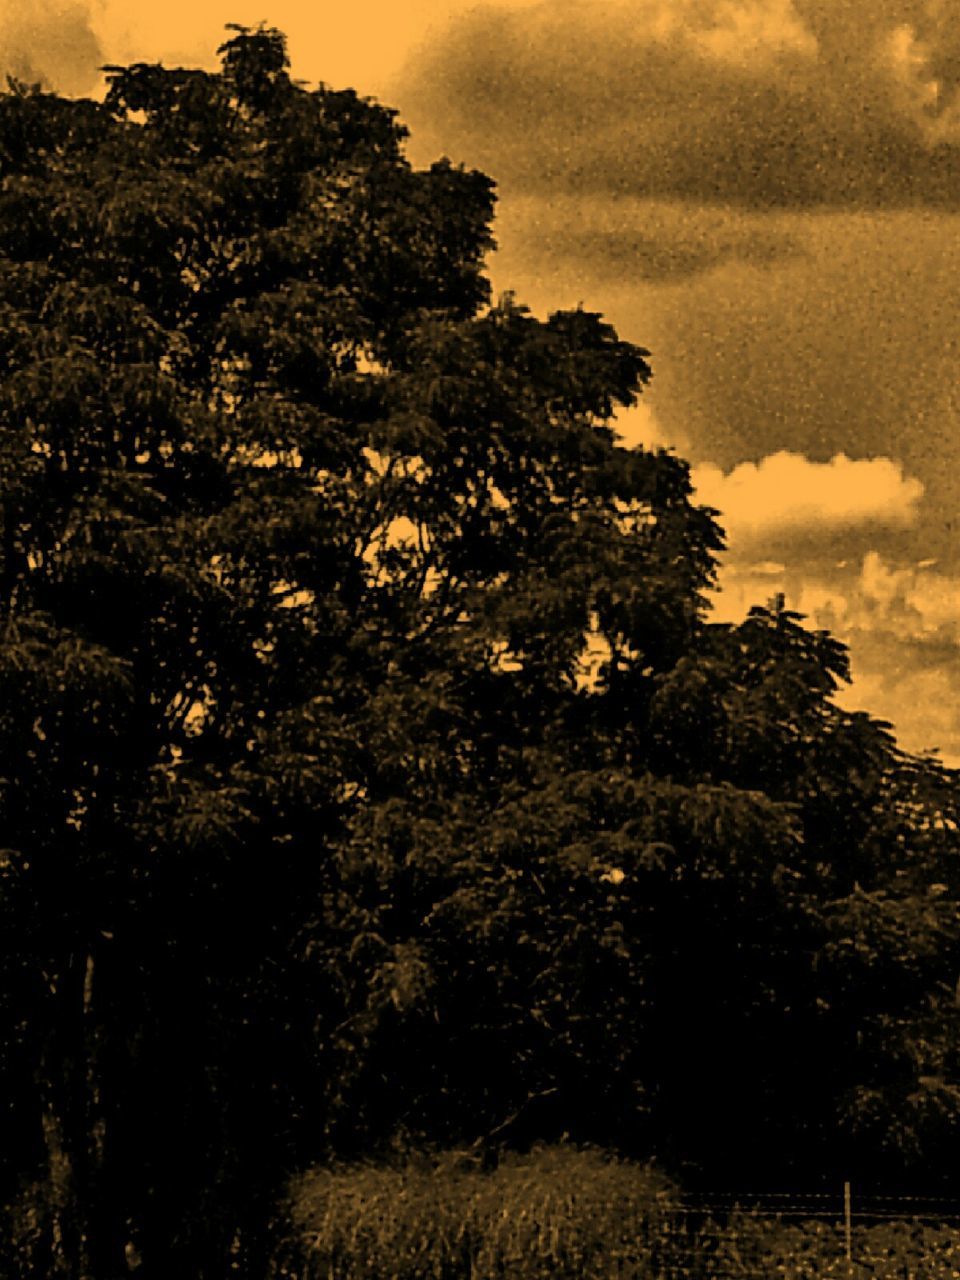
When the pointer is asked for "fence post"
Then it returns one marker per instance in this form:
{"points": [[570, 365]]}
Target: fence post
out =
{"points": [[847, 1224]]}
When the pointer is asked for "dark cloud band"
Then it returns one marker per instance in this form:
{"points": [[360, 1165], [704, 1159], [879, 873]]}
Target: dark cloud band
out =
{"points": [[609, 240], [770, 105]]}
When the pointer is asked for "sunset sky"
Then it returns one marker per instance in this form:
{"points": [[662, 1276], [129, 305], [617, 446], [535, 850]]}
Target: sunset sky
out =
{"points": [[764, 193]]}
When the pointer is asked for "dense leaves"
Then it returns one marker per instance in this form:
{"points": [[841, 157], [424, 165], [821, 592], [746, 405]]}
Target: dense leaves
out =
{"points": [[372, 772]]}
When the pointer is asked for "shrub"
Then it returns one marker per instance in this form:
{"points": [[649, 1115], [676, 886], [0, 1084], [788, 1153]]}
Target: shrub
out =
{"points": [[555, 1213]]}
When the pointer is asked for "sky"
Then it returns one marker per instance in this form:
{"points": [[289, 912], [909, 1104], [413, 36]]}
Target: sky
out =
{"points": [[763, 193]]}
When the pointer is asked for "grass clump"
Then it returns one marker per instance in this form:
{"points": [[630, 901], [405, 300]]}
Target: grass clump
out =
{"points": [[555, 1214]]}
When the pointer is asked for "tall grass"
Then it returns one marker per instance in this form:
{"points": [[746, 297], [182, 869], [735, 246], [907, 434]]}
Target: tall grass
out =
{"points": [[556, 1214]]}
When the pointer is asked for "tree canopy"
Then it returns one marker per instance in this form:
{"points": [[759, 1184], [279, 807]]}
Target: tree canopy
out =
{"points": [[373, 772]]}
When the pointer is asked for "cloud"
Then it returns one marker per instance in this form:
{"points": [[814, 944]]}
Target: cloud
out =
{"points": [[598, 242], [920, 704], [893, 602], [786, 492], [897, 601], [900, 620], [640, 426], [902, 624], [763, 103], [848, 347], [50, 42]]}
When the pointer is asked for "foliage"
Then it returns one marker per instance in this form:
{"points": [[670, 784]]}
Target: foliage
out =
{"points": [[194, 338]]}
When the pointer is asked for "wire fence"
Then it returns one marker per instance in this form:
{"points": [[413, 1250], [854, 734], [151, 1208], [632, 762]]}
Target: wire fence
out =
{"points": [[808, 1236]]}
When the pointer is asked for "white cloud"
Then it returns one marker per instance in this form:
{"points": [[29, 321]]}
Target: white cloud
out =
{"points": [[907, 602], [639, 425], [786, 492], [753, 32], [910, 600], [901, 621]]}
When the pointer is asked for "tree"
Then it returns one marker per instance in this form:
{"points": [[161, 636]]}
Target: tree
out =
{"points": [[203, 282], [716, 920], [360, 709], [244, 348]]}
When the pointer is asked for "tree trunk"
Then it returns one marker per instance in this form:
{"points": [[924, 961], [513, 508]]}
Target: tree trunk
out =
{"points": [[67, 1238], [101, 1196], [86, 1227]]}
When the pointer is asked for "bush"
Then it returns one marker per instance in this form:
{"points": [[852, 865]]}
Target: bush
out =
{"points": [[557, 1212]]}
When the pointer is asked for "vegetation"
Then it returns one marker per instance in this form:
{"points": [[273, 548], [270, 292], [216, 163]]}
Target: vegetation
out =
{"points": [[889, 1250], [373, 776], [550, 1215], [561, 1214]]}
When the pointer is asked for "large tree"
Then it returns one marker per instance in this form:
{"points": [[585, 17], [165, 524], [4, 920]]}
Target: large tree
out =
{"points": [[372, 772]]}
